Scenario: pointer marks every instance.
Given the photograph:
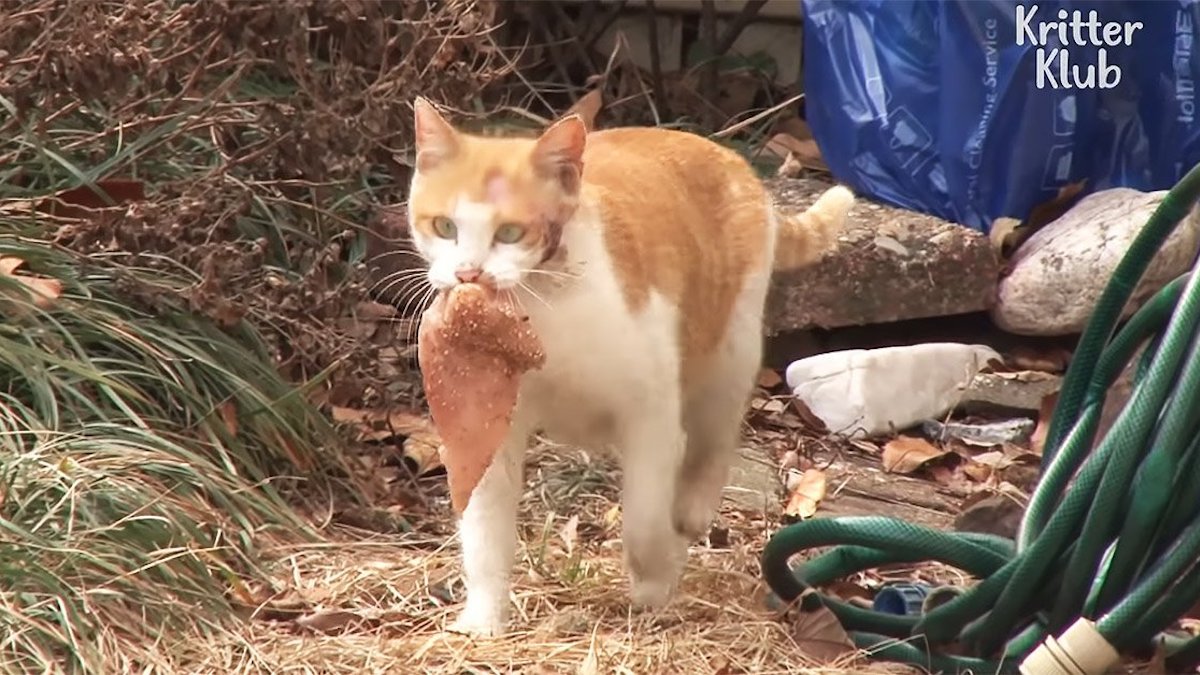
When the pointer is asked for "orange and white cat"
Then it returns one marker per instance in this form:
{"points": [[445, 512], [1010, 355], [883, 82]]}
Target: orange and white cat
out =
{"points": [[643, 257]]}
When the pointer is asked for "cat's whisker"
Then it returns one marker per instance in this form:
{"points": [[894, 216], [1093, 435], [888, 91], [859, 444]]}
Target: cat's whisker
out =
{"points": [[556, 273], [418, 279], [400, 251], [393, 275], [418, 299], [527, 289], [394, 278], [411, 335]]}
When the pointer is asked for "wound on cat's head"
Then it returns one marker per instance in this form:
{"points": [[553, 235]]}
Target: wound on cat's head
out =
{"points": [[489, 209]]}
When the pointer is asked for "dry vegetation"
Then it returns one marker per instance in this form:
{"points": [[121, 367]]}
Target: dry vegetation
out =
{"points": [[197, 188]]}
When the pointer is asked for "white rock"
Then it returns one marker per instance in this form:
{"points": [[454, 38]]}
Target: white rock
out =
{"points": [[867, 392], [1059, 273]]}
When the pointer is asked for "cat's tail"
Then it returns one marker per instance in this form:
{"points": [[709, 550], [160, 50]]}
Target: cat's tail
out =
{"points": [[805, 237]]}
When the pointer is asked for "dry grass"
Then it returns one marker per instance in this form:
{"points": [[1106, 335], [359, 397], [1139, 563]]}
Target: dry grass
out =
{"points": [[571, 611]]}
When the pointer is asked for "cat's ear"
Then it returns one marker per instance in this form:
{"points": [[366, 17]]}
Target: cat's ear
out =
{"points": [[436, 139], [559, 151]]}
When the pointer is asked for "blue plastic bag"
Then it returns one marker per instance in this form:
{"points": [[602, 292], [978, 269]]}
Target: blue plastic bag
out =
{"points": [[933, 106]]}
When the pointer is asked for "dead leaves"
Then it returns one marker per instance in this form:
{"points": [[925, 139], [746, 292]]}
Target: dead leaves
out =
{"points": [[769, 379], [820, 636], [907, 454], [1037, 441], [807, 495], [795, 145], [1008, 234], [42, 291], [420, 441], [77, 202], [303, 618]]}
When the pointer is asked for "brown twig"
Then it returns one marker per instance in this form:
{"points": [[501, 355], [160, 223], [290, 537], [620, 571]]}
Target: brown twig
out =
{"points": [[603, 24], [582, 51], [744, 18]]}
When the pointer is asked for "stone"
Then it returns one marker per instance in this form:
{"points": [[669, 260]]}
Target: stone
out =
{"points": [[890, 265], [1019, 391], [1058, 274], [754, 483], [860, 393]]}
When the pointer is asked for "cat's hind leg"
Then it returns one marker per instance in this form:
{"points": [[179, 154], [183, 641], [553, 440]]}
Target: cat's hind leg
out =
{"points": [[655, 553], [713, 415]]}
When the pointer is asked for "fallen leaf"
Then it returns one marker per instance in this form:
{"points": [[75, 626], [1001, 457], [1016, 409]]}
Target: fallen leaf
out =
{"points": [[1051, 210], [820, 636], [792, 167], [1037, 440], [996, 459], [1043, 214], [906, 454], [809, 418], [865, 445], [330, 621], [997, 514], [807, 152], [809, 492], [44, 291], [588, 107], [769, 379], [342, 415], [1051, 360], [377, 425], [422, 452], [570, 533], [228, 412], [1001, 234], [795, 127], [75, 202], [848, 590], [944, 475], [612, 518], [978, 471], [772, 406]]}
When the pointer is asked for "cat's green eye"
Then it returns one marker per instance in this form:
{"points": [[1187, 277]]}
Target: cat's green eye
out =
{"points": [[510, 233], [444, 228]]}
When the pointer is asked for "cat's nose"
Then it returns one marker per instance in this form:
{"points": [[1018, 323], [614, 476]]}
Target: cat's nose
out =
{"points": [[468, 274]]}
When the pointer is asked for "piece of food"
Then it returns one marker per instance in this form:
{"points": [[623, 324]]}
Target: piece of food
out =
{"points": [[472, 348]]}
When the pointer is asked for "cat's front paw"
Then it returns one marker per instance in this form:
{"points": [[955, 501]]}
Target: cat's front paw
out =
{"points": [[474, 623], [651, 594]]}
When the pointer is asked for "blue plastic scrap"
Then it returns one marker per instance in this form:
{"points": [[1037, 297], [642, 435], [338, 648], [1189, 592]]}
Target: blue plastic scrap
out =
{"points": [[938, 106]]}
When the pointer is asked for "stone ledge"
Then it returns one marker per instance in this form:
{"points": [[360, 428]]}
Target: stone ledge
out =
{"points": [[890, 265]]}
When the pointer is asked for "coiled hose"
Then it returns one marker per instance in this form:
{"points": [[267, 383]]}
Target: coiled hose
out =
{"points": [[1111, 535]]}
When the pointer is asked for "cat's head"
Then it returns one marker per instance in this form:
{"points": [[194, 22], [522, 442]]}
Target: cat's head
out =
{"points": [[491, 209]]}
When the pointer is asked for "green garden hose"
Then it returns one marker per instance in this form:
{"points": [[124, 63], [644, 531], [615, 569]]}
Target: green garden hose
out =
{"points": [[1111, 535]]}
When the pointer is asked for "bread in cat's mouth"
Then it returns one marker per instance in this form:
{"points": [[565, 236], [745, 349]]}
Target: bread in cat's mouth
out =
{"points": [[472, 348]]}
